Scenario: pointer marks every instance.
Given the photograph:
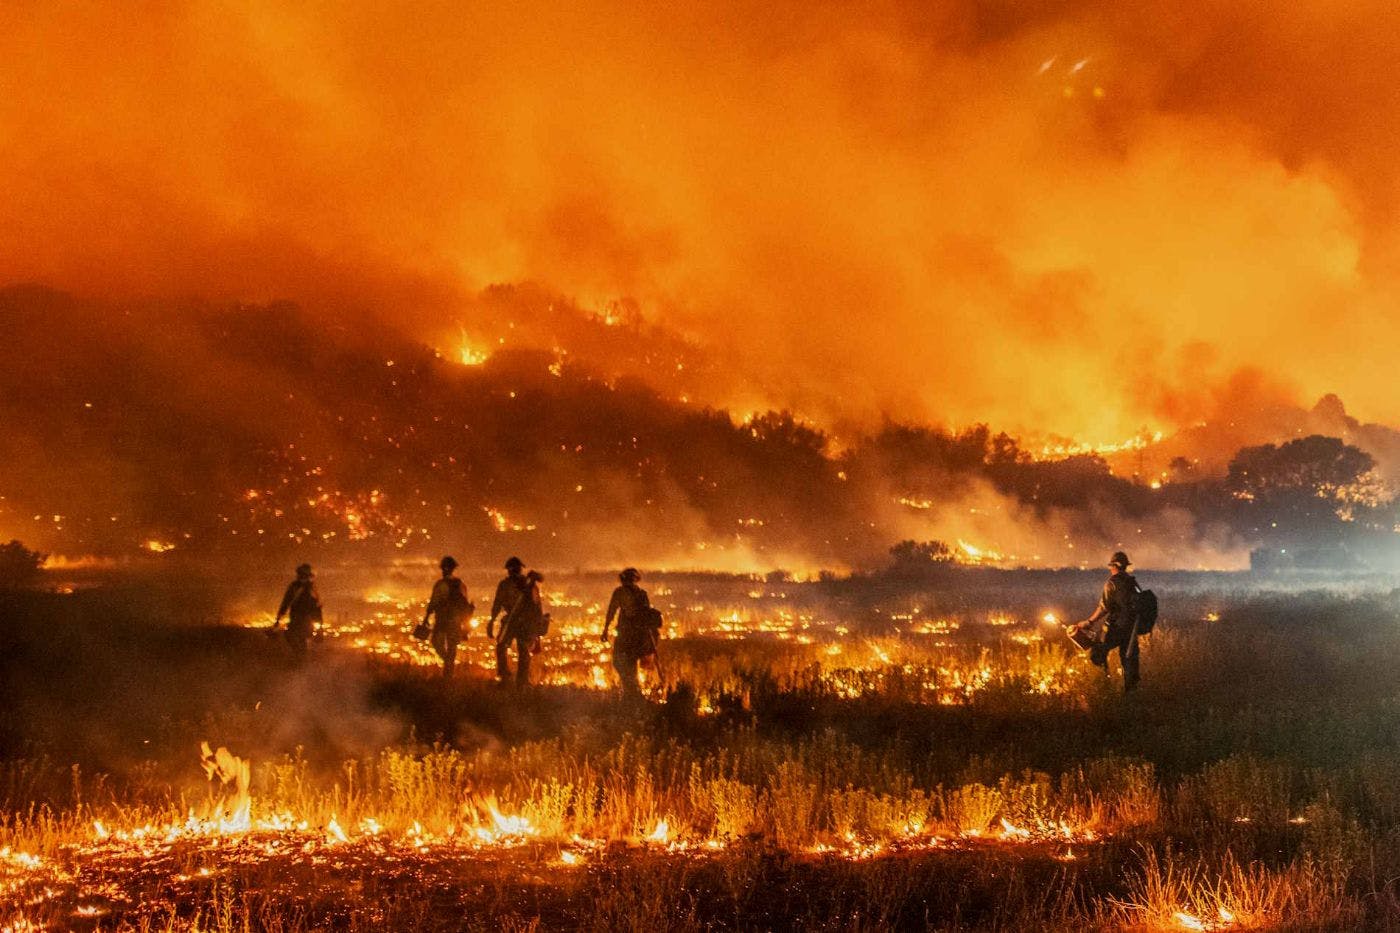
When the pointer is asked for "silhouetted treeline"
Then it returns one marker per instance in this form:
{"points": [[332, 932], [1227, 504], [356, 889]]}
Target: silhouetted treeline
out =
{"points": [[223, 430]]}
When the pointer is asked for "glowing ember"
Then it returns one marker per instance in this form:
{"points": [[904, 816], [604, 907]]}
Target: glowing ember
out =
{"points": [[504, 524]]}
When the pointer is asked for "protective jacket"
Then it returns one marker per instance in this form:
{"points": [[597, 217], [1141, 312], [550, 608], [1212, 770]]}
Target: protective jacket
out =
{"points": [[1117, 602], [633, 636], [448, 604], [302, 606], [519, 596]]}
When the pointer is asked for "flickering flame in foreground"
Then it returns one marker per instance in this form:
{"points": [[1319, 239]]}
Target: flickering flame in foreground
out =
{"points": [[20, 859], [234, 814], [1040, 832], [233, 835], [504, 826], [1224, 920], [1008, 831]]}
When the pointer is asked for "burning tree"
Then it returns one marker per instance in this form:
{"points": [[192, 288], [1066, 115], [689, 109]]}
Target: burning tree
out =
{"points": [[1307, 483], [914, 556], [1311, 467]]}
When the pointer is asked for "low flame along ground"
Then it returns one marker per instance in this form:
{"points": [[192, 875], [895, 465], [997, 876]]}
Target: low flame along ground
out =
{"points": [[946, 658], [105, 873], [117, 868]]}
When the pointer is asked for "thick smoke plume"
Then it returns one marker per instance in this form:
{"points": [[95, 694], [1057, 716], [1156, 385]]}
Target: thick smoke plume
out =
{"points": [[958, 213]]}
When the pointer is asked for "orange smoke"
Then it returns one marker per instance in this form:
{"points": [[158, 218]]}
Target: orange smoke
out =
{"points": [[973, 212]]}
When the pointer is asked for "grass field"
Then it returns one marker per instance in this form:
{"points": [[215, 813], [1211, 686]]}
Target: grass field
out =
{"points": [[854, 755]]}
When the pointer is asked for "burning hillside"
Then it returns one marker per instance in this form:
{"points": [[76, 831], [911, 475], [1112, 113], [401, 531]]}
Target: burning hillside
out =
{"points": [[165, 432]]}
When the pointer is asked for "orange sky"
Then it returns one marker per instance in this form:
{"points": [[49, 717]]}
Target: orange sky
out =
{"points": [[1073, 221]]}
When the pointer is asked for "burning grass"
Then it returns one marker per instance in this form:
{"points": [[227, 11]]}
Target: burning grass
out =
{"points": [[713, 640], [793, 801], [418, 815]]}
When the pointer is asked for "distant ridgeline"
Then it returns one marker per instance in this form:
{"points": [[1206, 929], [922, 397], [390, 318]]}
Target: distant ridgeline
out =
{"points": [[160, 432]]}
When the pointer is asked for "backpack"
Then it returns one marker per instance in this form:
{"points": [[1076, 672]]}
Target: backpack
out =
{"points": [[526, 613], [456, 604], [304, 604], [1145, 608], [650, 617]]}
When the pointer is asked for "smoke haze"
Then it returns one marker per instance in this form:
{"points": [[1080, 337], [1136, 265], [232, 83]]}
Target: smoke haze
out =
{"points": [[976, 212]]}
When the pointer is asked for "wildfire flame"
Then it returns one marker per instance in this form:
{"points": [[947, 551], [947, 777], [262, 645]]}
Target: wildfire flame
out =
{"points": [[1011, 831], [468, 354], [662, 832], [972, 554], [504, 827], [234, 814], [1189, 922], [1224, 919], [504, 524]]}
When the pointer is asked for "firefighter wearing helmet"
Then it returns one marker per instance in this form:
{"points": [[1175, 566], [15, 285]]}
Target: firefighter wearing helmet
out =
{"points": [[449, 609], [1117, 605], [635, 641], [521, 607], [301, 604]]}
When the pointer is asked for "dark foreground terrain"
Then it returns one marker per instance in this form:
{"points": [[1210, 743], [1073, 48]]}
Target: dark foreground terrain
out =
{"points": [[949, 765]]}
